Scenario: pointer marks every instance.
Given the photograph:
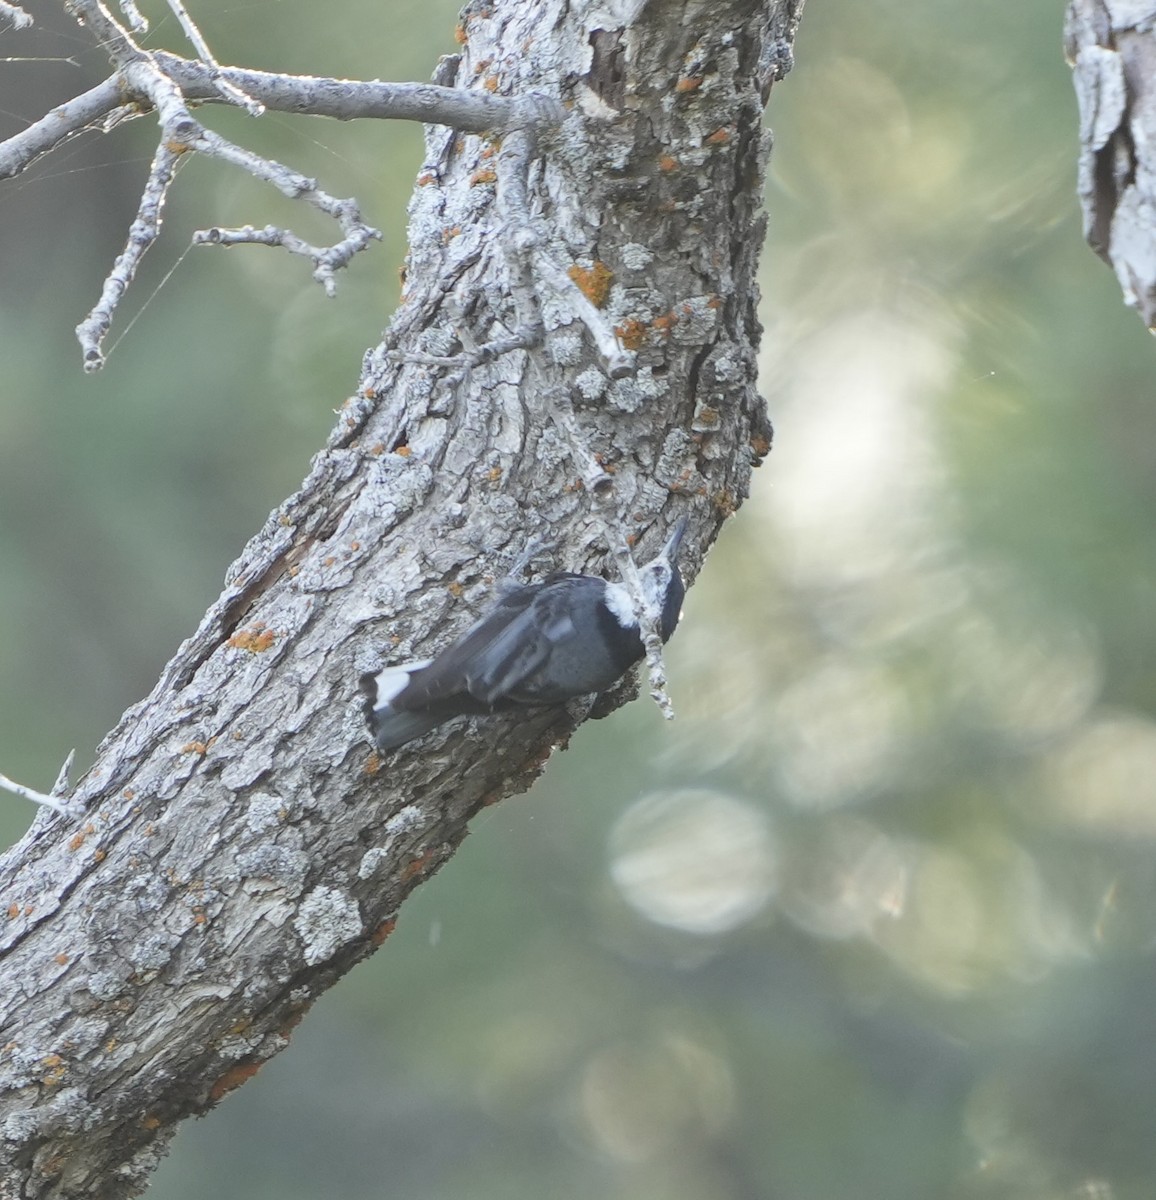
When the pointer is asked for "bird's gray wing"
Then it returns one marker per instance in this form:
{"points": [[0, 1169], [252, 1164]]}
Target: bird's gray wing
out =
{"points": [[447, 681], [498, 654], [523, 648]]}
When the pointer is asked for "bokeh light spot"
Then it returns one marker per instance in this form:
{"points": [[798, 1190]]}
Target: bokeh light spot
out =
{"points": [[694, 859]]}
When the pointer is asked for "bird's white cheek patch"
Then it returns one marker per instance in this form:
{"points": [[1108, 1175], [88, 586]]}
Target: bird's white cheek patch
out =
{"points": [[620, 604]]}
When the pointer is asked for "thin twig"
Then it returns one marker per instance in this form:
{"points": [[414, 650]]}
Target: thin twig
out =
{"points": [[103, 107], [519, 235], [115, 40], [619, 361], [326, 260], [228, 91], [62, 784], [532, 267], [347, 99], [100, 107], [58, 803], [648, 615], [142, 233], [133, 15], [468, 359]]}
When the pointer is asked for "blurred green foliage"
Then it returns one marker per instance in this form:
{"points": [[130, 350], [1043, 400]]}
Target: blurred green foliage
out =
{"points": [[874, 920]]}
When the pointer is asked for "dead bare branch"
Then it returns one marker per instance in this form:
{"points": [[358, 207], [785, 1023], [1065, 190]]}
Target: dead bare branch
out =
{"points": [[142, 233]]}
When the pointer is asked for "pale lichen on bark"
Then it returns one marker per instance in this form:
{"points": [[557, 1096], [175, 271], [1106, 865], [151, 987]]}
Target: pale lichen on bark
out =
{"points": [[243, 845]]}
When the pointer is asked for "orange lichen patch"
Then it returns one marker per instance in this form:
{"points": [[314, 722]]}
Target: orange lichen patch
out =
{"points": [[404, 451], [78, 839], [62, 960], [233, 1078], [355, 545], [256, 639], [175, 147], [483, 175], [449, 234], [631, 333], [490, 83], [460, 34], [490, 150], [383, 931], [715, 302], [688, 83], [29, 909], [418, 866], [593, 282], [664, 324], [455, 589], [372, 764], [493, 474], [668, 163], [54, 1068], [198, 747], [377, 449], [13, 911], [481, 65], [129, 793], [99, 855], [720, 137], [292, 1021], [110, 1045], [148, 1121]]}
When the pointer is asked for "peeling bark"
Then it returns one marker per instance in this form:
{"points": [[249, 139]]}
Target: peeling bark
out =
{"points": [[243, 845], [1111, 46]]}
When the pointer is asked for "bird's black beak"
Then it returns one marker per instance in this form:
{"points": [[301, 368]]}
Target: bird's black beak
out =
{"points": [[670, 550]]}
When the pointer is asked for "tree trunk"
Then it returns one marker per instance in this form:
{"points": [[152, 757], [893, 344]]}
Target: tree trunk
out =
{"points": [[243, 844]]}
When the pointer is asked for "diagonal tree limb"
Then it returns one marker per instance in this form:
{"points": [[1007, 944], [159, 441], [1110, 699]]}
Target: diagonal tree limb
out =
{"points": [[243, 846]]}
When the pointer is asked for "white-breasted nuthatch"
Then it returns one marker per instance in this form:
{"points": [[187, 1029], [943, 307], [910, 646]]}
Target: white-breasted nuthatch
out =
{"points": [[541, 644]]}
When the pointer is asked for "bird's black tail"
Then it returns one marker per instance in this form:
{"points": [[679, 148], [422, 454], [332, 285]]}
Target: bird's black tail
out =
{"points": [[392, 727]]}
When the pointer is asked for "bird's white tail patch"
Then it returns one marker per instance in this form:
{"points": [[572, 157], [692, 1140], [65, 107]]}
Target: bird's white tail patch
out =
{"points": [[388, 683]]}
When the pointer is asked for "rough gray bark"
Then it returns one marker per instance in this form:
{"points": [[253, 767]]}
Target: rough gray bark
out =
{"points": [[1111, 46], [243, 845]]}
